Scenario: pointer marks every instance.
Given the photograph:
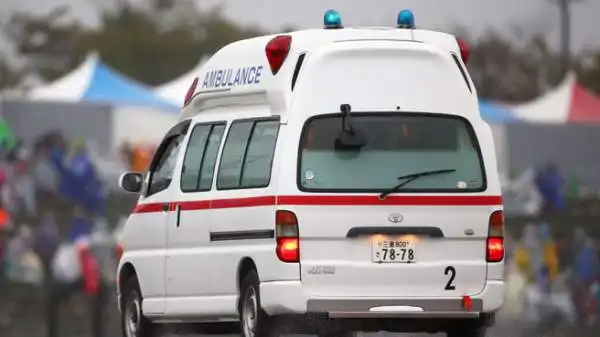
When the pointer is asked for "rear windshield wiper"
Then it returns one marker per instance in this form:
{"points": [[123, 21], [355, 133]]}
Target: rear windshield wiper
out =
{"points": [[410, 177]]}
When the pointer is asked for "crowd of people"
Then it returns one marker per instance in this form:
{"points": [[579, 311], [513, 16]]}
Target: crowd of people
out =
{"points": [[54, 230], [554, 280]]}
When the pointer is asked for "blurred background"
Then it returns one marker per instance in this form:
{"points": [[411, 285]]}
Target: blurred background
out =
{"points": [[88, 88]]}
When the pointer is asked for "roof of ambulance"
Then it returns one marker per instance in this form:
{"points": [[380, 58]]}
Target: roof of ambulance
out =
{"points": [[306, 40], [250, 53]]}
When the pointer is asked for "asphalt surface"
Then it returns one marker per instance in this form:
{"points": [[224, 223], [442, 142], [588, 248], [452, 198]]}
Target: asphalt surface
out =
{"points": [[499, 331]]}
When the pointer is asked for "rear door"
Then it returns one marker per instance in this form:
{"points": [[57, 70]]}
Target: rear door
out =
{"points": [[359, 237]]}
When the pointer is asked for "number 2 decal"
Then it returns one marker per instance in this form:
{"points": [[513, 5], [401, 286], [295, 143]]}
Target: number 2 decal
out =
{"points": [[451, 273]]}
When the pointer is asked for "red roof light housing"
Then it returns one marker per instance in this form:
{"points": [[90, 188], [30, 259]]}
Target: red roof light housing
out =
{"points": [[277, 51], [465, 51], [191, 91]]}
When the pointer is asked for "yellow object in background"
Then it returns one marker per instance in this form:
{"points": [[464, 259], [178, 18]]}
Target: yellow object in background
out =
{"points": [[550, 258], [524, 262]]}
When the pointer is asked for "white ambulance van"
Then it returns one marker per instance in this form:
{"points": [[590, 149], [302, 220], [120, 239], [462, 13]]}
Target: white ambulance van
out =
{"points": [[324, 181]]}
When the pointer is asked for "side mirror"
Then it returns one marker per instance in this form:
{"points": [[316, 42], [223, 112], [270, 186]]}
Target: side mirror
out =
{"points": [[131, 182]]}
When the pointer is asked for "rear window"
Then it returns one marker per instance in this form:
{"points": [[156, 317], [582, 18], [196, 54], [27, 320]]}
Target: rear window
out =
{"points": [[396, 145]]}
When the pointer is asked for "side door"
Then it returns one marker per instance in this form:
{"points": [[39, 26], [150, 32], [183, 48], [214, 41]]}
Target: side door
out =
{"points": [[188, 234], [146, 234], [242, 215]]}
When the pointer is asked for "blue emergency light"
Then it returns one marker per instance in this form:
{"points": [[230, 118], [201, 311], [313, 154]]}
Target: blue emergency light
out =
{"points": [[332, 20], [406, 19]]}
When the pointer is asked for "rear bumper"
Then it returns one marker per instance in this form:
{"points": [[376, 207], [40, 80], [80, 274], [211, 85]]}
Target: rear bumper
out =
{"points": [[288, 297]]}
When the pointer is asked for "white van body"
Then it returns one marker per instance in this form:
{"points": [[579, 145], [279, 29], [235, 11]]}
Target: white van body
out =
{"points": [[190, 250]]}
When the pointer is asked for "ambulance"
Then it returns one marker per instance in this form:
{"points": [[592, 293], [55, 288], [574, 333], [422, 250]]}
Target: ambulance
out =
{"points": [[326, 181]]}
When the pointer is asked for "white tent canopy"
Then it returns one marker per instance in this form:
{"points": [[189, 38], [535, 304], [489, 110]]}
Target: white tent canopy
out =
{"points": [[552, 107], [134, 112], [569, 102], [69, 88], [175, 90]]}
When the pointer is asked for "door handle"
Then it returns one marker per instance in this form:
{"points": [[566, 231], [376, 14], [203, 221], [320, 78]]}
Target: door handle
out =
{"points": [[177, 214], [165, 207]]}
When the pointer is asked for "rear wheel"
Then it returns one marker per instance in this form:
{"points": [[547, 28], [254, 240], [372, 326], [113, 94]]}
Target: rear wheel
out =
{"points": [[254, 322], [133, 322]]}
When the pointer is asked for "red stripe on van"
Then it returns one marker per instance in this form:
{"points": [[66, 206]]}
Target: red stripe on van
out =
{"points": [[149, 208], [326, 200], [193, 205], [243, 202], [371, 200]]}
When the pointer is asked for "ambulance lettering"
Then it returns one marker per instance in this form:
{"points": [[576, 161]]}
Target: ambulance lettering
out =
{"points": [[223, 78]]}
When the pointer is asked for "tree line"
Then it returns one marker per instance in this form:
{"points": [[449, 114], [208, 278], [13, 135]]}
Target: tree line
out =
{"points": [[163, 39]]}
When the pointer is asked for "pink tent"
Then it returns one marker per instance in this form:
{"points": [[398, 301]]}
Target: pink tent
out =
{"points": [[569, 102]]}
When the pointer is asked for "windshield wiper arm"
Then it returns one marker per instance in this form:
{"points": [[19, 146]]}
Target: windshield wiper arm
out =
{"points": [[410, 177]]}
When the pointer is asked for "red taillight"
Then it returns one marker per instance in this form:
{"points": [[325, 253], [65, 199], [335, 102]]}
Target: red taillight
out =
{"points": [[191, 91], [464, 50], [495, 240], [286, 234], [495, 249], [496, 224], [288, 250], [277, 51]]}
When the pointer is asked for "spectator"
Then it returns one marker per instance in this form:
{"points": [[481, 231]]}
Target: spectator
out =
{"points": [[528, 255], [81, 181], [46, 241], [550, 183], [81, 226], [103, 247], [586, 272], [24, 188], [550, 263], [45, 173], [127, 155], [17, 247], [4, 237], [141, 158]]}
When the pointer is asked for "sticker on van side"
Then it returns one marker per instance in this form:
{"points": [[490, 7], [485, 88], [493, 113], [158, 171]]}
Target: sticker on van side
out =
{"points": [[223, 78]]}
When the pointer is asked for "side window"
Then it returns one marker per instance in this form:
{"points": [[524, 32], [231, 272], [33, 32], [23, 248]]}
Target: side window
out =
{"points": [[259, 154], [162, 173], [248, 155], [232, 158], [200, 157]]}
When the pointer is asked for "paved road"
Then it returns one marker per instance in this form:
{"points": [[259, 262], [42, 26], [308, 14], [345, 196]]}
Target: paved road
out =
{"points": [[495, 332]]}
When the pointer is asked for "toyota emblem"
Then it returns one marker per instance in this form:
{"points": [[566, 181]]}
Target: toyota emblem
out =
{"points": [[395, 218]]}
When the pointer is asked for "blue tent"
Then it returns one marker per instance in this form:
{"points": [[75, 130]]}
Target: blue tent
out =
{"points": [[495, 113], [94, 81]]}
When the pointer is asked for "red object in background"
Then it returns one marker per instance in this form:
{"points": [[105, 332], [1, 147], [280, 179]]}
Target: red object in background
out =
{"points": [[585, 106], [89, 271], [3, 176], [21, 167], [4, 219]]}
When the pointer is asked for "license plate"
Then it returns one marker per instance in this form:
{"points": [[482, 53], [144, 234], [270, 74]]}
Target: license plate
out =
{"points": [[394, 251]]}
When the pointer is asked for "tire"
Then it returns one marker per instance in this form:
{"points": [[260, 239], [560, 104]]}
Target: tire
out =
{"points": [[467, 330], [133, 322], [254, 322]]}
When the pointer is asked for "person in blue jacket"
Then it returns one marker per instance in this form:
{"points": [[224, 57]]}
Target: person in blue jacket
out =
{"points": [[81, 224]]}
